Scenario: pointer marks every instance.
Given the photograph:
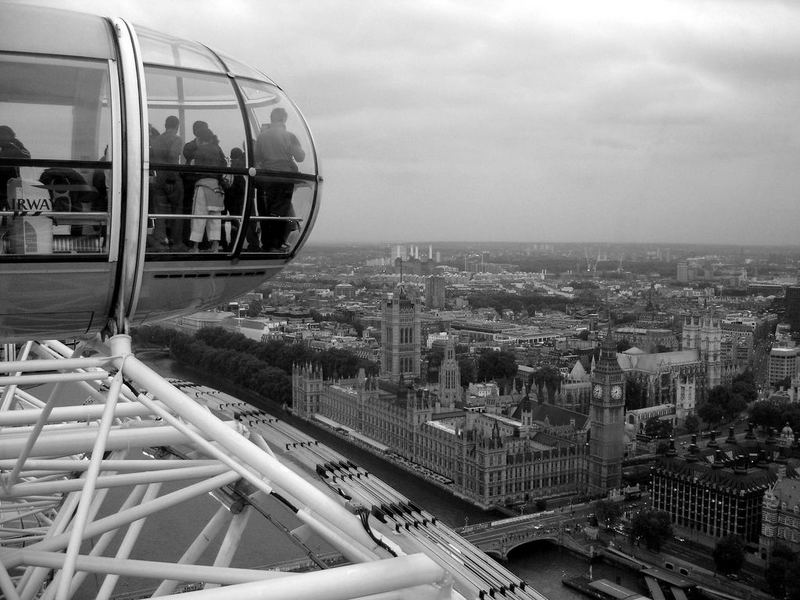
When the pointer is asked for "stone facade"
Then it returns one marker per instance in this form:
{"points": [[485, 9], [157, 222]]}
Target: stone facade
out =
{"points": [[400, 337], [489, 458], [780, 521], [607, 422]]}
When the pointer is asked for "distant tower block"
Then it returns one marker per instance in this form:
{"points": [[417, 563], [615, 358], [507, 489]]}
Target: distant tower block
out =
{"points": [[435, 292], [683, 272], [430, 252], [400, 337], [792, 304]]}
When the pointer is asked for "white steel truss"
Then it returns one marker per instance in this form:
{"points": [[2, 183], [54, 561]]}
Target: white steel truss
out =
{"points": [[98, 452]]}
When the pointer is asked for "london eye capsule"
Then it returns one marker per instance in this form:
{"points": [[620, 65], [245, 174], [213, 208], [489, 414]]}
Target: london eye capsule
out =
{"points": [[141, 176]]}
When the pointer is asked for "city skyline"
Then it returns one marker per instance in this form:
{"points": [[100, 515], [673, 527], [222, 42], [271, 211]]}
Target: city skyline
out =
{"points": [[662, 122]]}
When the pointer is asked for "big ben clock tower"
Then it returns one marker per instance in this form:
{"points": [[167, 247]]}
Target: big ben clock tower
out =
{"points": [[607, 421]]}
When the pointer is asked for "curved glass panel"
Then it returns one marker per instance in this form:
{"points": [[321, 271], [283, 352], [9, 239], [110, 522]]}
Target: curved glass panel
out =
{"points": [[282, 212], [60, 109], [239, 69], [47, 208], [195, 211], [195, 121], [161, 49], [282, 151], [193, 97], [51, 31], [283, 142]]}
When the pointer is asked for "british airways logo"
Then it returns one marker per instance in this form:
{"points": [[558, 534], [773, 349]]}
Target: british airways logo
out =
{"points": [[33, 204]]}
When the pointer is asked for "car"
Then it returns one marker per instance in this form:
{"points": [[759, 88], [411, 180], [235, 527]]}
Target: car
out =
{"points": [[680, 539]]}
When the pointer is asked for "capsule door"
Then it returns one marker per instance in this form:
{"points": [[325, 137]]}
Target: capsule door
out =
{"points": [[57, 229]]}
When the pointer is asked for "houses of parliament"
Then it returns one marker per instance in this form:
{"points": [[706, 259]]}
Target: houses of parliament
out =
{"points": [[495, 454]]}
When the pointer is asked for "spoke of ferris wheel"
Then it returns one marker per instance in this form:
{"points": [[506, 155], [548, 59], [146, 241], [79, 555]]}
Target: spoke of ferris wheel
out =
{"points": [[129, 513], [110, 481], [42, 452], [135, 497], [84, 412], [337, 520], [222, 517], [351, 581], [72, 465], [10, 391], [125, 548], [230, 543]]}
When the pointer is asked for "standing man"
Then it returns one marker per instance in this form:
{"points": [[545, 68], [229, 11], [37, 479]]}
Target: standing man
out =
{"points": [[277, 149], [168, 186]]}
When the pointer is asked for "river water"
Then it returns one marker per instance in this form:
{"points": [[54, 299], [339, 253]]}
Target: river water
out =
{"points": [[541, 564]]}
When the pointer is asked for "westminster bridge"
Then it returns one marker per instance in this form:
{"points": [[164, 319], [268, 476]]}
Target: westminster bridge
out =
{"points": [[563, 527]]}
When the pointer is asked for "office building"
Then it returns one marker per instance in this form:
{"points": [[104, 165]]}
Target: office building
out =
{"points": [[717, 490], [792, 307], [783, 361], [435, 292]]}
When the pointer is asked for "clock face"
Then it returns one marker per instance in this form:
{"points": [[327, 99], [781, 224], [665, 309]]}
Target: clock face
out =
{"points": [[598, 391], [616, 392]]}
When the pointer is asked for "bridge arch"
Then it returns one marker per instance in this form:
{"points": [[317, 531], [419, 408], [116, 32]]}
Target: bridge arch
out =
{"points": [[550, 538]]}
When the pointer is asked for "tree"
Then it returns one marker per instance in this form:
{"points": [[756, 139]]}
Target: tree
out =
{"points": [[692, 424], [540, 504], [547, 378], [497, 365], [729, 554], [635, 394], [435, 358], [254, 308], [657, 428], [711, 413], [467, 368], [768, 413], [608, 512], [623, 345], [744, 385], [782, 565], [652, 526], [730, 404]]}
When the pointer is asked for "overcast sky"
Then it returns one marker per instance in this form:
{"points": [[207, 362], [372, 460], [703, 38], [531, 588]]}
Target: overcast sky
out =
{"points": [[537, 120]]}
